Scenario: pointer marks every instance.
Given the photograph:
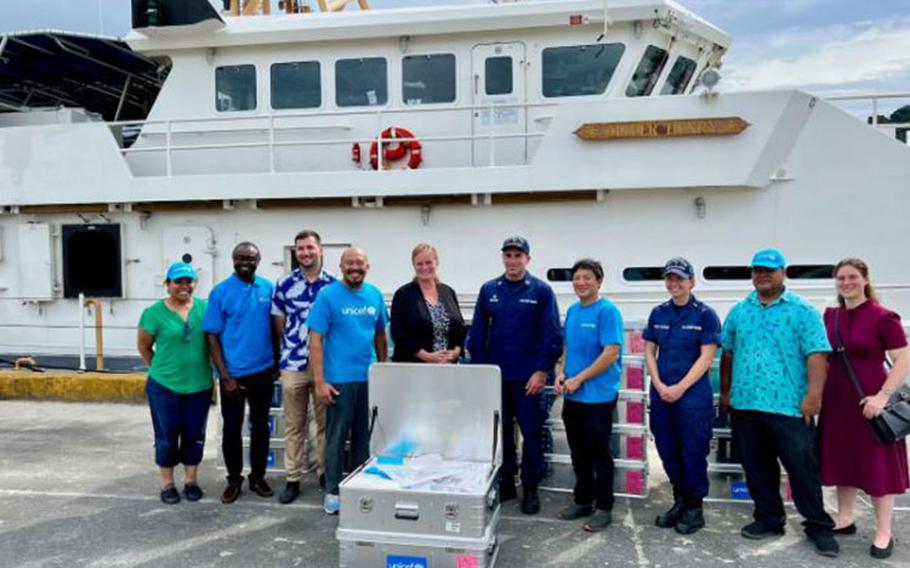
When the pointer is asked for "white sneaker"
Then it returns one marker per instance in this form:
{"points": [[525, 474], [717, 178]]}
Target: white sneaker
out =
{"points": [[331, 504]]}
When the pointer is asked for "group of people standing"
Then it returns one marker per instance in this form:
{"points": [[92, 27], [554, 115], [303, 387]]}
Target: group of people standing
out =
{"points": [[320, 335]]}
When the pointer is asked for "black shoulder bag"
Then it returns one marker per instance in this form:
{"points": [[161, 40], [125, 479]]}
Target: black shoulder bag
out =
{"points": [[893, 424]]}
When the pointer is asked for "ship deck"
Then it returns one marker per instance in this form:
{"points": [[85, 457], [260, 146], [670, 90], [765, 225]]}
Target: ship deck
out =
{"points": [[78, 488]]}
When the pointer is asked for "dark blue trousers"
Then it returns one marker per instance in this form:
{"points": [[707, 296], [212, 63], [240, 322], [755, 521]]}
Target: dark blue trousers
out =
{"points": [[762, 439], [179, 422], [588, 430], [530, 412], [348, 416], [257, 392], [682, 433]]}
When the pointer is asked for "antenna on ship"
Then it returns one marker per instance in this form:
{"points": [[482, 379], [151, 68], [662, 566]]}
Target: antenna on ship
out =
{"points": [[603, 35]]}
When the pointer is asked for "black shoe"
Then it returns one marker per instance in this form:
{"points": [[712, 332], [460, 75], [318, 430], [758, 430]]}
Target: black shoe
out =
{"points": [[530, 500], [757, 530], [231, 493], [849, 529], [507, 491], [261, 488], [169, 495], [882, 553], [669, 519], [576, 511], [599, 521], [825, 544], [290, 493], [692, 521], [192, 491]]}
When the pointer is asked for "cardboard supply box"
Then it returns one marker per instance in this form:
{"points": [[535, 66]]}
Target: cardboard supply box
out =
{"points": [[418, 410]]}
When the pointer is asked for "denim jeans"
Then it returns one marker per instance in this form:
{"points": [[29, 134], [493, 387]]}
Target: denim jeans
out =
{"points": [[179, 421], [350, 413]]}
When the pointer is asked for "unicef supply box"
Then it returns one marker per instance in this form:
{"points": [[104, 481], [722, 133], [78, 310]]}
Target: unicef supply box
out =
{"points": [[428, 497]]}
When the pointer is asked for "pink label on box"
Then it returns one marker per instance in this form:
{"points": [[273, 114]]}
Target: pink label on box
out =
{"points": [[636, 342], [466, 561], [788, 490], [635, 412], [635, 448], [635, 483], [635, 378]]}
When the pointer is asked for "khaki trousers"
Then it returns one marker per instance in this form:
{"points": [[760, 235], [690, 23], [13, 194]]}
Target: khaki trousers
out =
{"points": [[298, 390]]}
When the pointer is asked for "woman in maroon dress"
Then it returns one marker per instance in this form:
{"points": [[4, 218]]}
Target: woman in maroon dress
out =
{"points": [[851, 457]]}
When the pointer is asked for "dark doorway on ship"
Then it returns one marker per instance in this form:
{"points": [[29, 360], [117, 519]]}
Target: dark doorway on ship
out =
{"points": [[92, 262]]}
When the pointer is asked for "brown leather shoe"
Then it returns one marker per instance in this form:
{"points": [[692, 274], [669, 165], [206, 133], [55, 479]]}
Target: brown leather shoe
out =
{"points": [[231, 493], [261, 488]]}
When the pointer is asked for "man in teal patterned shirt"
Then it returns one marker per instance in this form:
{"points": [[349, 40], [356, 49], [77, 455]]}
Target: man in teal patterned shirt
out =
{"points": [[775, 355]]}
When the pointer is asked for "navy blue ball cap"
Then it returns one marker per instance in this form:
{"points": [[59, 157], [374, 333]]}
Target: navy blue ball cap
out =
{"points": [[516, 242], [680, 267]]}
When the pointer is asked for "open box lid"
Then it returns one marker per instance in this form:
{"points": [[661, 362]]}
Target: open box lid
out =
{"points": [[452, 410]]}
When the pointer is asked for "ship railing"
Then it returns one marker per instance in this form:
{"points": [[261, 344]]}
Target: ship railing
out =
{"points": [[169, 128], [876, 100]]}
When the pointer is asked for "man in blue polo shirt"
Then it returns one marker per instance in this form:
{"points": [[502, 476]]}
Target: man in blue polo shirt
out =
{"points": [[681, 339], [775, 358], [243, 349], [347, 333], [516, 326]]}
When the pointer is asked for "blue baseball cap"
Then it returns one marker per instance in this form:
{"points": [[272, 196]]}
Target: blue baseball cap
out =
{"points": [[519, 243], [180, 270], [769, 258], [680, 267]]}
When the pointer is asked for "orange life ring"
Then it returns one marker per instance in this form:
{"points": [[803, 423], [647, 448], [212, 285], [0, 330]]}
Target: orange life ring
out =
{"points": [[392, 152]]}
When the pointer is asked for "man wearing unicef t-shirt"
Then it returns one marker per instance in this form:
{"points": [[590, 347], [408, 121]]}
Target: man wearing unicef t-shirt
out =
{"points": [[347, 333]]}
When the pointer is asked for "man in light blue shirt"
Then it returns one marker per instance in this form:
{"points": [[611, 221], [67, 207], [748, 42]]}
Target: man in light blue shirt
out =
{"points": [[239, 333], [775, 356], [347, 333], [590, 383]]}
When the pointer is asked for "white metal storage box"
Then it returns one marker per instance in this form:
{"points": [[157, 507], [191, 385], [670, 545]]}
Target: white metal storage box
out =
{"points": [[450, 414]]}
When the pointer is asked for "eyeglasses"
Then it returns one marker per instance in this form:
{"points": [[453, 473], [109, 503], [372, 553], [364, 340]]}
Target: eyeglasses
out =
{"points": [[187, 332]]}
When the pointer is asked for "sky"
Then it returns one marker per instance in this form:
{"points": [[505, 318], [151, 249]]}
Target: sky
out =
{"points": [[823, 46]]}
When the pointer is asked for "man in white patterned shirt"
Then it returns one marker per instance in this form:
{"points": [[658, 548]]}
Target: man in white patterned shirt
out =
{"points": [[294, 294]]}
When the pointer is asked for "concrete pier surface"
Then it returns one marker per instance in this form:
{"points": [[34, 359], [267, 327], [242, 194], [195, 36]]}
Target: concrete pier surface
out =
{"points": [[78, 487]]}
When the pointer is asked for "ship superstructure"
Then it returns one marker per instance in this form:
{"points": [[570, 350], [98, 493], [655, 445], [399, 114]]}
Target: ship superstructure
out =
{"points": [[591, 131]]}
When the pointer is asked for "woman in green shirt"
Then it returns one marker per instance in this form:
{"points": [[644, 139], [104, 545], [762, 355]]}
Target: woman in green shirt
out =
{"points": [[179, 384]]}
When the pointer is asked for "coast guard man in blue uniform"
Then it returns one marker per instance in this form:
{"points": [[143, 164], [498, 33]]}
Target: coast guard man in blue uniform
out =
{"points": [[516, 326], [681, 339]]}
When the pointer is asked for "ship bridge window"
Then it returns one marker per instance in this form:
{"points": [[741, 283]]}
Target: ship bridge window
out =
{"points": [[811, 271], [428, 79], [296, 85], [643, 273], [679, 76], [579, 70], [235, 88], [361, 82], [498, 75], [649, 69], [92, 263]]}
